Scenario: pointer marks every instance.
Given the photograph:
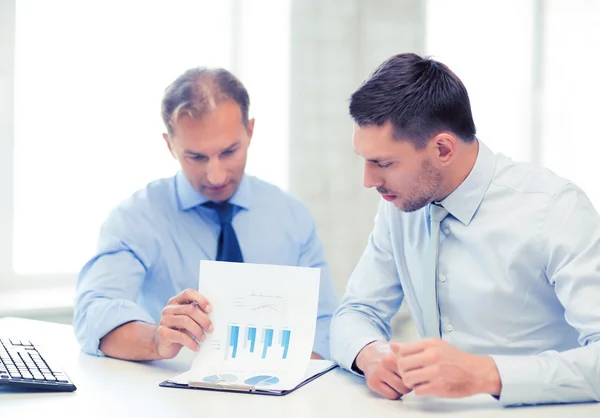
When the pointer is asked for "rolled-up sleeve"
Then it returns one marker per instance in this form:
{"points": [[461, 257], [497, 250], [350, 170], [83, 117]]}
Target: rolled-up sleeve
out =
{"points": [[109, 284], [373, 295]]}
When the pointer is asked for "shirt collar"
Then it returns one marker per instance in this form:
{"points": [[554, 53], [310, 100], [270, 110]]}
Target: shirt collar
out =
{"points": [[189, 198], [463, 202]]}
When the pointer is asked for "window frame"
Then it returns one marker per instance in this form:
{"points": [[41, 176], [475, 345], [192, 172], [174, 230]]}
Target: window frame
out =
{"points": [[10, 280]]}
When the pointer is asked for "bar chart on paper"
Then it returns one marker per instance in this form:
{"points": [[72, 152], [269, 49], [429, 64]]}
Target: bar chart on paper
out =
{"points": [[264, 325], [259, 343]]}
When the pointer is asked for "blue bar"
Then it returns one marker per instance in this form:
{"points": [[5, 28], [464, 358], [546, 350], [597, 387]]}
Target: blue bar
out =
{"points": [[233, 341], [252, 338], [285, 341], [268, 342]]}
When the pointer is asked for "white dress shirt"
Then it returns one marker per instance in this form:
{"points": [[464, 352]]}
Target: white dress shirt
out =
{"points": [[518, 279]]}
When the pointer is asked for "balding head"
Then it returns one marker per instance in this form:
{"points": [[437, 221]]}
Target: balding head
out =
{"points": [[200, 90]]}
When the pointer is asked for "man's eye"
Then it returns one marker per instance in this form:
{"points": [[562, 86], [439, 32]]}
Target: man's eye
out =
{"points": [[228, 152], [197, 157], [384, 165]]}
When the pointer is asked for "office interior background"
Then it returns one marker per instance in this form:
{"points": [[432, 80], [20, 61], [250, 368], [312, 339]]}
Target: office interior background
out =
{"points": [[81, 83]]}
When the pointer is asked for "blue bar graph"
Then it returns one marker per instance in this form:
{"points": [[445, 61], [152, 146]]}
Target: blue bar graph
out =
{"points": [[234, 331], [285, 341], [268, 341], [252, 338]]}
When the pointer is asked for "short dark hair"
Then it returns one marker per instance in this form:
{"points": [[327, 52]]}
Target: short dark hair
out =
{"points": [[421, 97], [200, 90]]}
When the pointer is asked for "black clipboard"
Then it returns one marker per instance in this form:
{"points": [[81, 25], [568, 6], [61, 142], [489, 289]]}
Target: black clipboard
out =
{"points": [[237, 388]]}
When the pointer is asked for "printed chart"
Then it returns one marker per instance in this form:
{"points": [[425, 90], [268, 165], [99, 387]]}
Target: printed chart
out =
{"points": [[247, 341]]}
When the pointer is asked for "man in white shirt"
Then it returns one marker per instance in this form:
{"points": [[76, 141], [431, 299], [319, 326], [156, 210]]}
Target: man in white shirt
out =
{"points": [[499, 262]]}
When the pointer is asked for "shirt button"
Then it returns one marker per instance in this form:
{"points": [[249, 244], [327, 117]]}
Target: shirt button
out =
{"points": [[446, 231], [449, 328], [442, 278]]}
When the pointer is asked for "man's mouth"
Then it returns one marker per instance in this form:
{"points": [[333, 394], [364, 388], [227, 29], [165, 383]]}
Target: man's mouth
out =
{"points": [[388, 197], [217, 189]]}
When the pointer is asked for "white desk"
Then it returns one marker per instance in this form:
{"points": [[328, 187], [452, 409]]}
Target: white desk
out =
{"points": [[114, 388]]}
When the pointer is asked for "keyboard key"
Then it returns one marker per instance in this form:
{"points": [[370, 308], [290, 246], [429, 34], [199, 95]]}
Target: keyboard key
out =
{"points": [[21, 362]]}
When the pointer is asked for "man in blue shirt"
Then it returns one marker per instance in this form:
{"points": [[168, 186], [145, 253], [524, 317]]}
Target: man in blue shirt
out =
{"points": [[135, 298], [498, 261]]}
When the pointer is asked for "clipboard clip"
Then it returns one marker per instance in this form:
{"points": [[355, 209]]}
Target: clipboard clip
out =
{"points": [[222, 385]]}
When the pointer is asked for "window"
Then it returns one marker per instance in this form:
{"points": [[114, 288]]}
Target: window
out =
{"points": [[490, 48], [571, 86], [531, 71], [88, 79]]}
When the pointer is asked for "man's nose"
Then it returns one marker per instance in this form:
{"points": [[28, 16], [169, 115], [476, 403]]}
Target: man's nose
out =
{"points": [[216, 173], [370, 178]]}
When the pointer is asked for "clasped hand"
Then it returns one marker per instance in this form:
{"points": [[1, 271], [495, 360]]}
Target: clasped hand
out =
{"points": [[429, 368]]}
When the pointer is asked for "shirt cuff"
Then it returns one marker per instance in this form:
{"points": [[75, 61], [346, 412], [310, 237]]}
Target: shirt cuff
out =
{"points": [[359, 333], [520, 380], [104, 317]]}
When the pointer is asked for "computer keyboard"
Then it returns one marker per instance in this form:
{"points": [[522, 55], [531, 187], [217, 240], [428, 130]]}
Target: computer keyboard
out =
{"points": [[23, 365]]}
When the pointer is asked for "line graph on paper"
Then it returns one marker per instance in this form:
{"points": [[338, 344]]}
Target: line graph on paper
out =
{"points": [[258, 305]]}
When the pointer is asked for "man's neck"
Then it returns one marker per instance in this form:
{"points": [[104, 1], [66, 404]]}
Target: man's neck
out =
{"points": [[462, 167]]}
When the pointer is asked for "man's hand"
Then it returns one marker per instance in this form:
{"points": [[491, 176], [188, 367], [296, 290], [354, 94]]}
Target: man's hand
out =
{"points": [[184, 322], [436, 368], [378, 363]]}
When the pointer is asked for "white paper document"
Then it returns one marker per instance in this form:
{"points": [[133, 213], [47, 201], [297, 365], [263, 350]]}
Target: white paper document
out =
{"points": [[264, 319]]}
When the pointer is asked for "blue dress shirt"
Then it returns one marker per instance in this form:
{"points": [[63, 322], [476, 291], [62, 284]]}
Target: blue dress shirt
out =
{"points": [[518, 279], [151, 245]]}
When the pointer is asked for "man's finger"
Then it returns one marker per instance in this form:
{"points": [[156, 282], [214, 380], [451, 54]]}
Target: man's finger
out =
{"points": [[422, 359], [191, 296], [196, 340], [193, 312], [199, 316], [169, 335], [395, 382], [421, 376], [183, 322], [385, 390], [413, 348]]}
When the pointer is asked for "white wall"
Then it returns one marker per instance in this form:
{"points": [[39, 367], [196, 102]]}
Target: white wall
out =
{"points": [[335, 46]]}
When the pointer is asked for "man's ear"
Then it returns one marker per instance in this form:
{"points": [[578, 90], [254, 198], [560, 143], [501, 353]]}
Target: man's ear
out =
{"points": [[445, 147], [169, 143], [250, 129]]}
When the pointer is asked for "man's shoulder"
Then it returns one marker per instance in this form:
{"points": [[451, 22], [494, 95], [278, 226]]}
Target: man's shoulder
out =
{"points": [[269, 196], [526, 178], [156, 196], [265, 190]]}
